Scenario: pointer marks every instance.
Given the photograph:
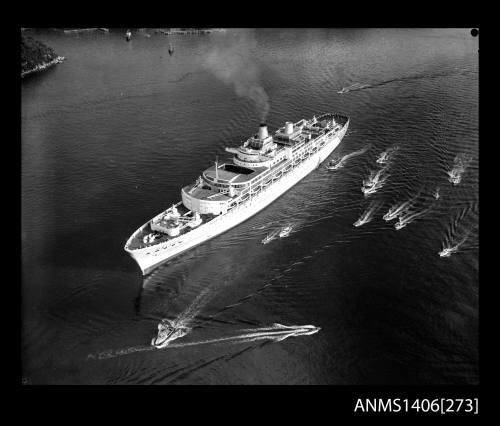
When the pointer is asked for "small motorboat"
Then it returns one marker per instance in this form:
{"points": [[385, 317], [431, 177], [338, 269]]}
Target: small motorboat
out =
{"points": [[400, 224], [455, 176], [446, 252], [168, 332], [383, 158], [335, 166], [270, 237], [334, 162], [285, 231], [436, 194]]}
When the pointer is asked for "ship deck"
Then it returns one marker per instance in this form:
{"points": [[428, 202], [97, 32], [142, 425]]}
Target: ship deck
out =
{"points": [[234, 175], [201, 193], [138, 243]]}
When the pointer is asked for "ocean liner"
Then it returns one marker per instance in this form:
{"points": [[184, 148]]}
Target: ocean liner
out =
{"points": [[226, 194]]}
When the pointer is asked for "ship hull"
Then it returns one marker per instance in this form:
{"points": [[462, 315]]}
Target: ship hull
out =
{"points": [[148, 259]]}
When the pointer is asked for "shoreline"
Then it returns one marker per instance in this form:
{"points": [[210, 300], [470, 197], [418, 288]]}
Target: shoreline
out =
{"points": [[186, 32], [84, 30], [43, 66]]}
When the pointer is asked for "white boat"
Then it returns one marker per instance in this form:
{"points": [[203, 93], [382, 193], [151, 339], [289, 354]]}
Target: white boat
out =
{"points": [[335, 164], [446, 252], [285, 231], [271, 236], [436, 194], [168, 331], [262, 168]]}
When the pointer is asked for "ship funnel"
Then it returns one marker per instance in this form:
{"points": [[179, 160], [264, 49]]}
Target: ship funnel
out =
{"points": [[288, 128], [263, 131]]}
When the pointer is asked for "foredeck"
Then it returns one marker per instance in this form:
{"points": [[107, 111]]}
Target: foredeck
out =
{"points": [[138, 243]]}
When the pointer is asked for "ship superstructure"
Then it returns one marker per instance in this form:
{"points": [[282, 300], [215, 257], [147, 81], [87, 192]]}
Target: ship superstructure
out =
{"points": [[225, 194]]}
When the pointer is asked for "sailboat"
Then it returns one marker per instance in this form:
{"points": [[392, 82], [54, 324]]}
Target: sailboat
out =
{"points": [[128, 35], [170, 49]]}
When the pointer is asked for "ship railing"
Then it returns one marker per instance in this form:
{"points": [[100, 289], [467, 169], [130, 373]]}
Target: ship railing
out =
{"points": [[214, 195], [197, 184], [276, 176], [185, 219], [279, 172], [160, 215]]}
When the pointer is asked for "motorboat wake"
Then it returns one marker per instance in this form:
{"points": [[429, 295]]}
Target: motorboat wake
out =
{"points": [[353, 87], [373, 188], [398, 209], [452, 248], [339, 162], [170, 330], [277, 328], [374, 182], [409, 218], [276, 332], [387, 155], [367, 215], [271, 236]]}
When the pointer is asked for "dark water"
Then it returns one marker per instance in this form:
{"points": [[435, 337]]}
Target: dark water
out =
{"points": [[111, 135]]}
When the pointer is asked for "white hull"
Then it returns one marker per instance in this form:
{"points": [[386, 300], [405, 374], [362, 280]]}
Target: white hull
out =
{"points": [[150, 257]]}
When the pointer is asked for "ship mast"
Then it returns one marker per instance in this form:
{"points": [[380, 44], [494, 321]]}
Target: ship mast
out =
{"points": [[216, 168]]}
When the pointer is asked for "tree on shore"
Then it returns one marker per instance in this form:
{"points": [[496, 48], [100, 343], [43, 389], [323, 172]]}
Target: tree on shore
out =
{"points": [[34, 53]]}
